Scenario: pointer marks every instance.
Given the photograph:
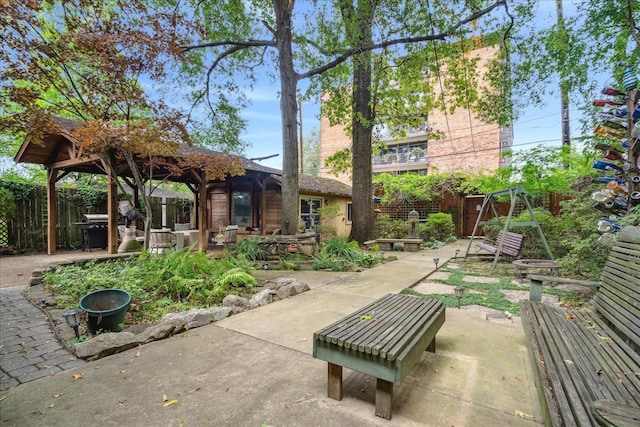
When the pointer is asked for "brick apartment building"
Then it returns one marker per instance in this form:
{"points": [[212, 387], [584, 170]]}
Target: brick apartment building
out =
{"points": [[444, 143]]}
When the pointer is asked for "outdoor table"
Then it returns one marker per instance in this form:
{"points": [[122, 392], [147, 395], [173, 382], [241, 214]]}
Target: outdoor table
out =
{"points": [[186, 238], [522, 266]]}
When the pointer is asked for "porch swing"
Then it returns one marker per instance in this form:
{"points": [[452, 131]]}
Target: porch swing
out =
{"points": [[489, 204]]}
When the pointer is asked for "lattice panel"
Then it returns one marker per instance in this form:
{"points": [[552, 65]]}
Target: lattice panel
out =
{"points": [[401, 211], [4, 233]]}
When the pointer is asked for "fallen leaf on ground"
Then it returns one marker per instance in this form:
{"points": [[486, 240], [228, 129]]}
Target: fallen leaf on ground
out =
{"points": [[123, 371], [164, 398], [58, 395], [138, 354], [523, 415], [169, 403], [52, 405], [77, 376]]}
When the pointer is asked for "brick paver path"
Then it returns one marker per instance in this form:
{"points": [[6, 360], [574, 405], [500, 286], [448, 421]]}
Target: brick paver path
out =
{"points": [[28, 347]]}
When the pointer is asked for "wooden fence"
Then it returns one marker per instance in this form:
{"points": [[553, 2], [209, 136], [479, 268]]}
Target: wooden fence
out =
{"points": [[27, 228]]}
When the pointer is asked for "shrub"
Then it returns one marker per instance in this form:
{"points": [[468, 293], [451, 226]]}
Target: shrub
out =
{"points": [[250, 249], [439, 226], [7, 204], [338, 255], [391, 228]]}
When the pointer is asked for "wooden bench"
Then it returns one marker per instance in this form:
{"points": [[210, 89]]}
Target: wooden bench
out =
{"points": [[508, 243], [587, 361], [384, 339], [410, 245]]}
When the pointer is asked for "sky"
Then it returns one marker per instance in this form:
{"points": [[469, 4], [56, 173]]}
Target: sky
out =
{"points": [[537, 125]]}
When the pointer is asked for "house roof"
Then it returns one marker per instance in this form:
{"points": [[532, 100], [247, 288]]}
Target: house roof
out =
{"points": [[316, 184], [60, 148]]}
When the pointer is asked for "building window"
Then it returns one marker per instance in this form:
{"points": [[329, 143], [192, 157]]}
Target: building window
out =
{"points": [[349, 212], [241, 208], [309, 212]]}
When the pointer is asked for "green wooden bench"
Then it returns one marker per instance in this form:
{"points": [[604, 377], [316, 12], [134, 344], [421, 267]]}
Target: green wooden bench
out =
{"points": [[384, 339], [507, 243], [410, 245], [587, 361]]}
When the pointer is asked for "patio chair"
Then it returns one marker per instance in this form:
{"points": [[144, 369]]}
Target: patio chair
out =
{"points": [[230, 235], [161, 240]]}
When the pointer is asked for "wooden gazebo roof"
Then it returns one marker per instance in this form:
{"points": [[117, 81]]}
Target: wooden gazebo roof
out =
{"points": [[61, 150]]}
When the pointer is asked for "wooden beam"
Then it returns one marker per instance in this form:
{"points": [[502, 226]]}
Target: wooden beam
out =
{"points": [[112, 212], [52, 214], [201, 202], [72, 162], [263, 207]]}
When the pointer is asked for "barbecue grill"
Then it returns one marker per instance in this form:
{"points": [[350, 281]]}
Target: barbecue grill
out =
{"points": [[94, 230]]}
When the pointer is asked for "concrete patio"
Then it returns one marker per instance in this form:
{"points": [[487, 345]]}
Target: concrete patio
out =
{"points": [[256, 368]]}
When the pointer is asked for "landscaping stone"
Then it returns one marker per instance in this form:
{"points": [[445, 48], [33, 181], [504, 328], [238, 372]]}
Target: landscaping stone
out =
{"points": [[156, 332], [287, 287], [286, 291], [106, 344], [263, 297], [481, 279], [439, 275], [283, 281], [193, 318], [236, 303], [301, 287]]}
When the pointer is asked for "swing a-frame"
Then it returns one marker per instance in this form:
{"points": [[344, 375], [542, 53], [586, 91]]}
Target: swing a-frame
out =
{"points": [[489, 204]]}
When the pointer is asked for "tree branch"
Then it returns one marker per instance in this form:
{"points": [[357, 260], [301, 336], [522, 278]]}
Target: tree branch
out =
{"points": [[243, 44], [632, 24], [406, 40]]}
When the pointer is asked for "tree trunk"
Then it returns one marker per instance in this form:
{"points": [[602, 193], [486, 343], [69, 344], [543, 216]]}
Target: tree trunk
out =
{"points": [[288, 109], [362, 228]]}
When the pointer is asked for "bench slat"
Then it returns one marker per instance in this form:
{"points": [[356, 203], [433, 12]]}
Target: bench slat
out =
{"points": [[394, 314], [388, 333], [355, 327], [392, 348], [623, 362], [512, 244], [569, 375], [588, 361], [379, 326], [592, 352], [559, 407], [327, 332]]}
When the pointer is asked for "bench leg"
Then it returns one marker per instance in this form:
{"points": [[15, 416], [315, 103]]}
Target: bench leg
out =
{"points": [[535, 291], [384, 398], [334, 383], [432, 346]]}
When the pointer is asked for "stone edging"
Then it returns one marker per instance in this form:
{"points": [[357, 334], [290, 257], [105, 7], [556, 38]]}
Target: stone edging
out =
{"points": [[173, 323]]}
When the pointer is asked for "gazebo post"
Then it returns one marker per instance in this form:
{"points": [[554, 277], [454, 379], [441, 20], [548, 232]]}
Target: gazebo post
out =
{"points": [[202, 212], [52, 213], [112, 214]]}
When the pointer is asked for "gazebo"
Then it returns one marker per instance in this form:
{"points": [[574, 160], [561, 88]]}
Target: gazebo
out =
{"points": [[61, 153]]}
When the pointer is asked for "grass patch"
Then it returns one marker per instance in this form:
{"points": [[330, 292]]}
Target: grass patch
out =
{"points": [[490, 294]]}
